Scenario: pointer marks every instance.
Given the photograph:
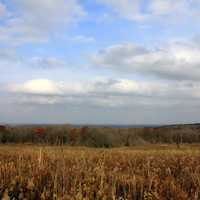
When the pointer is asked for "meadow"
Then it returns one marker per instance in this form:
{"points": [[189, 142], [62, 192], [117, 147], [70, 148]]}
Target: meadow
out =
{"points": [[157, 172]]}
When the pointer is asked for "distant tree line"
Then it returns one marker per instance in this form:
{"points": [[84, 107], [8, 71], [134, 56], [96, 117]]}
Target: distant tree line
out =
{"points": [[100, 136]]}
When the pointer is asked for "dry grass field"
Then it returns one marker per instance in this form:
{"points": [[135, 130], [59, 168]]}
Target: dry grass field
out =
{"points": [[157, 172]]}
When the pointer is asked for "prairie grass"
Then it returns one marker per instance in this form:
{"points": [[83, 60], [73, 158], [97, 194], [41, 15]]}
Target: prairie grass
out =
{"points": [[157, 172]]}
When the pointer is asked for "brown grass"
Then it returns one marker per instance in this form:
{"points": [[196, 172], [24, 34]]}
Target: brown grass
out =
{"points": [[149, 172]]}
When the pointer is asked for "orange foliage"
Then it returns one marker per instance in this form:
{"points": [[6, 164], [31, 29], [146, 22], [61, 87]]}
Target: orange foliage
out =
{"points": [[40, 131]]}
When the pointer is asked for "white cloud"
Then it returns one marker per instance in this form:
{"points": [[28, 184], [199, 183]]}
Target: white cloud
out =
{"points": [[138, 10], [39, 86], [48, 87], [49, 12], [108, 92], [42, 100], [7, 54], [47, 62], [160, 7], [35, 21], [129, 9], [172, 61]]}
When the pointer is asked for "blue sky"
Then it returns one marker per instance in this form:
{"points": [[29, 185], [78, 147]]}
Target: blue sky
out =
{"points": [[99, 61]]}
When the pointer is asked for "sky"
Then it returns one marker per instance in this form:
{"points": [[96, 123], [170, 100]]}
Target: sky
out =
{"points": [[100, 61]]}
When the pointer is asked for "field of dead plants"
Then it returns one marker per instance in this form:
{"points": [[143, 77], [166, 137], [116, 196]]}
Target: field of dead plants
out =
{"points": [[156, 172]]}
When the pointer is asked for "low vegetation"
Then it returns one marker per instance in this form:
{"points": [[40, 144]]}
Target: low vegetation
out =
{"points": [[147, 172]]}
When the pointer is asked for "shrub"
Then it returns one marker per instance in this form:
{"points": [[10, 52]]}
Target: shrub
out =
{"points": [[98, 139]]}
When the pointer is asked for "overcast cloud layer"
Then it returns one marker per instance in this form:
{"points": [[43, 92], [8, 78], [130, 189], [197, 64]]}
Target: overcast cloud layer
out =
{"points": [[102, 61]]}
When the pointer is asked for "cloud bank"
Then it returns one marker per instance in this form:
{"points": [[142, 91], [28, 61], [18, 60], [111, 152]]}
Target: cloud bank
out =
{"points": [[105, 92], [173, 61]]}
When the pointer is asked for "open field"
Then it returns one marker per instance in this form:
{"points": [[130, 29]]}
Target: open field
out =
{"points": [[155, 172]]}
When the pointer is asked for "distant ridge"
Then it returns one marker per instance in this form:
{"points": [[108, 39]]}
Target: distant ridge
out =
{"points": [[180, 125], [109, 125]]}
